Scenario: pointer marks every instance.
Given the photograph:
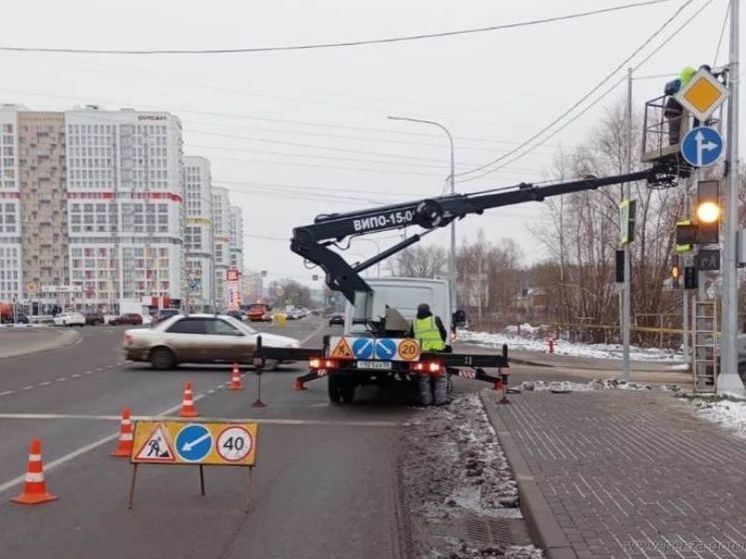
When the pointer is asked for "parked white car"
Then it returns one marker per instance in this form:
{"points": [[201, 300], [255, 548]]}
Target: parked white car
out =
{"points": [[69, 319]]}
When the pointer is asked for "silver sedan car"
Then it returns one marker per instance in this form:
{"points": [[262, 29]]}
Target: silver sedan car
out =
{"points": [[198, 338]]}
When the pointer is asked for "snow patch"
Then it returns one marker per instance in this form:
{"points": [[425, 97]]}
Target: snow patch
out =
{"points": [[591, 386], [728, 413], [563, 347]]}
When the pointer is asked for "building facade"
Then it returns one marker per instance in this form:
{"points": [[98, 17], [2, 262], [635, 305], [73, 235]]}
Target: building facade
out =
{"points": [[42, 179], [235, 226], [11, 250], [221, 228], [125, 206], [198, 234]]}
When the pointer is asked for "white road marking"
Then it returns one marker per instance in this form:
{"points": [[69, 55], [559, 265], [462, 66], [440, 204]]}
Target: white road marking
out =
{"points": [[99, 369], [6, 393], [45, 383], [29, 387], [269, 421], [62, 379], [75, 375], [88, 372], [82, 450]]}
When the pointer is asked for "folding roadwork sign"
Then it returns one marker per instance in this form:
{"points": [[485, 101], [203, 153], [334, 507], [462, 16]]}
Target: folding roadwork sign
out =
{"points": [[192, 443]]}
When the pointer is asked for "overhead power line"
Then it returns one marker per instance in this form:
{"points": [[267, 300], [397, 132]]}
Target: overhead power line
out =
{"points": [[356, 43], [598, 99], [575, 105]]}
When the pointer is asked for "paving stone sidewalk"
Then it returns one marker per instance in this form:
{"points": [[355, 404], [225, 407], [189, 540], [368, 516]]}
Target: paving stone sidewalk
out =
{"points": [[625, 474]]}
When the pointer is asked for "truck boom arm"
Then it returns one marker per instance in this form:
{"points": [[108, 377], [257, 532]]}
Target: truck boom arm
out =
{"points": [[312, 241]]}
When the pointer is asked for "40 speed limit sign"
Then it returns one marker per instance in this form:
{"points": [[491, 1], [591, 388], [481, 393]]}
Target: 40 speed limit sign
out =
{"points": [[235, 443]]}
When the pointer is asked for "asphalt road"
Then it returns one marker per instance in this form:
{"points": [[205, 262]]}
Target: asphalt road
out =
{"points": [[325, 485]]}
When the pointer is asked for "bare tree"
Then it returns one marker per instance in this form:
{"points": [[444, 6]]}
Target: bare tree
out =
{"points": [[420, 262]]}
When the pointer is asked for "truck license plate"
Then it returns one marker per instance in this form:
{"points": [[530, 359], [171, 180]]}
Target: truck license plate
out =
{"points": [[386, 365]]}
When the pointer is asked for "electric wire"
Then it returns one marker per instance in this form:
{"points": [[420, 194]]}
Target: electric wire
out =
{"points": [[581, 100], [356, 43], [722, 33], [597, 100]]}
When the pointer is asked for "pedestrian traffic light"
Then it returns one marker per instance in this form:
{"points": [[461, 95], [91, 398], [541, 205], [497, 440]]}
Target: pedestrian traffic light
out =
{"points": [[708, 212], [675, 271]]}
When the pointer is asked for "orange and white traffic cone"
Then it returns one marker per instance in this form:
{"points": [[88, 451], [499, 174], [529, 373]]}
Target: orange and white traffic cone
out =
{"points": [[124, 448], [34, 486], [236, 382], [187, 407]]}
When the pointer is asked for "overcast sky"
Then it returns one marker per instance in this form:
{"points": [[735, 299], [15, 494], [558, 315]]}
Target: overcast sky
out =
{"points": [[295, 134]]}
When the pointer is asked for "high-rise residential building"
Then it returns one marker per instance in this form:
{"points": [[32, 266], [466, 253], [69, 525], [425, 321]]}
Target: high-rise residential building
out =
{"points": [[235, 228], [198, 234], [125, 211], [11, 268], [221, 227], [42, 180], [236, 237], [252, 286]]}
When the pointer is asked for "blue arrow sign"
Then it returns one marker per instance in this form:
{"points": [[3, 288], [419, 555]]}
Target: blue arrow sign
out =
{"points": [[362, 348], [702, 146], [385, 348], [193, 443]]}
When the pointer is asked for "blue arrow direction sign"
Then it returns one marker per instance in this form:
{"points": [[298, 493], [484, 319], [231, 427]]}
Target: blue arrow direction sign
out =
{"points": [[702, 146], [385, 348], [362, 348], [193, 443]]}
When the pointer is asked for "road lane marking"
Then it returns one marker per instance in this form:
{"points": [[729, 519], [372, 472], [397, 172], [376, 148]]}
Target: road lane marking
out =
{"points": [[88, 372], [270, 421], [45, 383], [29, 387], [62, 379], [99, 369], [82, 450], [75, 375], [6, 393]]}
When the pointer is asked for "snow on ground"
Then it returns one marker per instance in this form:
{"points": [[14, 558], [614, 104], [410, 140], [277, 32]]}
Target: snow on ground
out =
{"points": [[452, 469], [563, 347], [728, 413]]}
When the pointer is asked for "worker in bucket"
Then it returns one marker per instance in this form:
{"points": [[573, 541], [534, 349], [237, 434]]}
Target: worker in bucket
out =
{"points": [[673, 111], [432, 335]]}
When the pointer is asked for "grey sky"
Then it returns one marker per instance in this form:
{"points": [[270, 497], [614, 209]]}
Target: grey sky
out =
{"points": [[246, 111]]}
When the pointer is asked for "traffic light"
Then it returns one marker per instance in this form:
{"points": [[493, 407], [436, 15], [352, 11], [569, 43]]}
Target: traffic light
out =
{"points": [[675, 271], [708, 212], [686, 235]]}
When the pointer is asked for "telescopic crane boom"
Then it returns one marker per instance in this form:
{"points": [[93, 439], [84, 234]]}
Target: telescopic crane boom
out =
{"points": [[312, 242]]}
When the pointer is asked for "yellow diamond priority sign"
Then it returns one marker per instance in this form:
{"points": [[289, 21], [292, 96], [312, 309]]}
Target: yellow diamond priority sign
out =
{"points": [[702, 95]]}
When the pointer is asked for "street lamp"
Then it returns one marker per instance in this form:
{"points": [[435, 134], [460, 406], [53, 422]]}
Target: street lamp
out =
{"points": [[452, 179]]}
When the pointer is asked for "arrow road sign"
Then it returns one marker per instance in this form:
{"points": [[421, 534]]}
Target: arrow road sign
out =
{"points": [[362, 348], [385, 348], [193, 442], [702, 146]]}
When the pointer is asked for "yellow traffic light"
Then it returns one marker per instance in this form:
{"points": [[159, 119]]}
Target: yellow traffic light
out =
{"points": [[675, 272], [708, 212]]}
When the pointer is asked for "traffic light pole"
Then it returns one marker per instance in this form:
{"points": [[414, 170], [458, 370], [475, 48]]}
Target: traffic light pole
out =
{"points": [[728, 380]]}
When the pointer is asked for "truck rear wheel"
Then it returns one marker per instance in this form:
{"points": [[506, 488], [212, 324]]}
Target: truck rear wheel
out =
{"points": [[341, 389]]}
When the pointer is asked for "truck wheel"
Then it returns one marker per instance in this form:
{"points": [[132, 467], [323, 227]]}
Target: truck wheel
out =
{"points": [[348, 392], [162, 359], [335, 389]]}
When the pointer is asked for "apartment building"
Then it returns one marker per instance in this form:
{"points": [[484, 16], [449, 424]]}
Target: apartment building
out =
{"points": [[11, 250], [125, 206], [221, 227], [198, 234]]}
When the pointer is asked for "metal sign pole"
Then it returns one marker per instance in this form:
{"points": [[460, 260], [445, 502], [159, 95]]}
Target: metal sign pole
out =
{"points": [[728, 380], [626, 294]]}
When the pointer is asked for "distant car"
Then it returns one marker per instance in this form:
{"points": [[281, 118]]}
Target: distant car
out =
{"points": [[163, 314], [294, 313], [260, 312], [199, 338], [17, 318], [337, 319], [235, 314], [69, 319], [131, 318], [94, 318]]}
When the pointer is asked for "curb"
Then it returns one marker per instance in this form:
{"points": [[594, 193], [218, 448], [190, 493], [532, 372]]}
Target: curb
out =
{"points": [[542, 523], [61, 340]]}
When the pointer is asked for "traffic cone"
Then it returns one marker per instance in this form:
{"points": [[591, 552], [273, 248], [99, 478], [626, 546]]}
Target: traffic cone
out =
{"points": [[187, 408], [236, 382], [124, 448], [34, 487]]}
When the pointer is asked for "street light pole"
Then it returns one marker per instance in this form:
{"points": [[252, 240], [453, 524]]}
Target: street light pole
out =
{"points": [[728, 380], [452, 180]]}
